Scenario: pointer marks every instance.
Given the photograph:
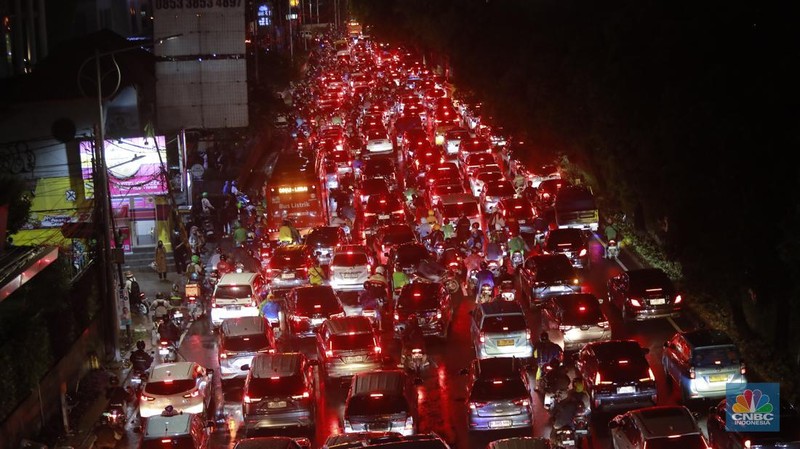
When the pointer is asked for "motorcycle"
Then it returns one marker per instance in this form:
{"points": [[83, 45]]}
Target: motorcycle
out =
{"points": [[167, 351], [192, 292], [564, 438], [485, 294], [416, 362], [114, 416], [516, 259], [472, 280], [137, 380], [177, 318], [140, 305], [507, 290], [612, 250]]}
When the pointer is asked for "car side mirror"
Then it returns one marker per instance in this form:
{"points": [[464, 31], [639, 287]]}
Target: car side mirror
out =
{"points": [[463, 372], [613, 424], [245, 367]]}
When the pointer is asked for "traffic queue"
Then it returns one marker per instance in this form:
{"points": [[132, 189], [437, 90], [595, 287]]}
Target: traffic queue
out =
{"points": [[393, 204]]}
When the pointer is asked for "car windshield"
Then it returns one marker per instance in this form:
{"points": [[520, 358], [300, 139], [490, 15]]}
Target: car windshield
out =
{"points": [[342, 342], [470, 209], [376, 404], [410, 254], [563, 237], [275, 386], [398, 236], [349, 259], [622, 363], [328, 236], [289, 259], [500, 189], [419, 298], [233, 291], [494, 389], [314, 301], [169, 387], [519, 209], [694, 441], [246, 343], [170, 442], [373, 186], [504, 323], [716, 356], [579, 310], [480, 159], [489, 176], [554, 268], [457, 134], [375, 134], [648, 278]]}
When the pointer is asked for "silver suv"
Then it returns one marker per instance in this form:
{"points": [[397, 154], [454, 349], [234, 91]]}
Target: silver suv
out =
{"points": [[240, 340], [498, 395], [499, 329], [350, 267], [657, 427], [348, 345]]}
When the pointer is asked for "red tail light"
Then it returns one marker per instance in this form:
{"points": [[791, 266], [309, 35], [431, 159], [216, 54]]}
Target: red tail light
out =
{"points": [[377, 349], [147, 398], [635, 303], [583, 252], [396, 317], [742, 368], [474, 405], [193, 394], [678, 299], [692, 373], [247, 399], [522, 402], [482, 338], [305, 395], [213, 302], [329, 353]]}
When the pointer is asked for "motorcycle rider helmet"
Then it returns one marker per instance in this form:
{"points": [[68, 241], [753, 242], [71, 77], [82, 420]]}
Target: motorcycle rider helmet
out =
{"points": [[544, 336], [476, 226], [205, 194], [380, 270], [194, 277], [436, 227], [140, 345], [577, 384], [195, 259], [160, 295]]}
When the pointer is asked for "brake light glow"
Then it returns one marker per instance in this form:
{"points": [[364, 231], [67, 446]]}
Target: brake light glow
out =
{"points": [[582, 309], [583, 252], [329, 353], [742, 368], [147, 398], [678, 299], [438, 315], [650, 373], [193, 394], [635, 303], [223, 355], [376, 395], [623, 362], [166, 440], [497, 382], [167, 381], [305, 394], [396, 317], [247, 399], [482, 338], [599, 380], [377, 349]]}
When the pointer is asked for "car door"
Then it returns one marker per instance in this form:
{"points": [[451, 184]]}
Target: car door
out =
{"points": [[614, 290], [526, 275], [475, 326], [550, 315], [672, 357], [719, 437]]}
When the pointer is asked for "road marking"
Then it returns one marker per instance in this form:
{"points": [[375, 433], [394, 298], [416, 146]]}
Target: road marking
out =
{"points": [[674, 324]]}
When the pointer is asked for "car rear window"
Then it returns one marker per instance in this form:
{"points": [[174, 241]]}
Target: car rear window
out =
{"points": [[169, 387], [555, 269], [287, 260], [312, 304], [246, 343], [556, 238], [276, 386], [500, 189], [327, 236], [480, 159], [504, 323], [454, 210], [340, 342], [683, 441], [349, 260], [376, 404], [233, 291], [494, 389], [398, 237], [418, 299], [581, 313], [411, 254], [169, 442], [716, 356]]}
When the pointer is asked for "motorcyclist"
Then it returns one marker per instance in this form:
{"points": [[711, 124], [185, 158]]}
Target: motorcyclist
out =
{"points": [[462, 228], [473, 261], [412, 337], [160, 307], [544, 352], [168, 331], [223, 266], [563, 412], [140, 359], [435, 237], [206, 205], [368, 298], [485, 276], [379, 276], [431, 218], [399, 279], [195, 266], [316, 275], [530, 192], [448, 229], [517, 243], [476, 236], [555, 377], [285, 232], [495, 252], [423, 229]]}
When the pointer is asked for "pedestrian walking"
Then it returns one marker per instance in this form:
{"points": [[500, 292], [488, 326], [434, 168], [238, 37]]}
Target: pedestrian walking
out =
{"points": [[161, 261]]}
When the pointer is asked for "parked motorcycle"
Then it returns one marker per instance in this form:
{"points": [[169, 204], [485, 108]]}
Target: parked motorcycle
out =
{"points": [[612, 249]]}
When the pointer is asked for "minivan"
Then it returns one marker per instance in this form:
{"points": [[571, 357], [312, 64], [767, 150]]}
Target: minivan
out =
{"points": [[180, 431], [381, 401], [279, 392], [236, 295], [347, 345], [240, 340]]}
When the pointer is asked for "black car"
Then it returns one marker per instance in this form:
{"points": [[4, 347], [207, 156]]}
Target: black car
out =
{"points": [[406, 257], [546, 275], [570, 242], [788, 437], [617, 375], [309, 306], [387, 237], [383, 210], [430, 302], [323, 239], [643, 294]]}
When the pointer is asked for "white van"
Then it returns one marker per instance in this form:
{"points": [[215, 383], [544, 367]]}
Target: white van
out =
{"points": [[236, 295], [454, 204]]}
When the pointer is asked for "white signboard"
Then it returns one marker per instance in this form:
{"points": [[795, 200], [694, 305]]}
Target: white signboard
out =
{"points": [[203, 84]]}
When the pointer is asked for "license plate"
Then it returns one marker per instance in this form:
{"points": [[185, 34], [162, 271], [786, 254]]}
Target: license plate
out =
{"points": [[558, 288], [349, 275], [279, 404], [288, 276], [316, 321], [383, 217], [163, 351], [353, 359], [499, 424], [522, 221], [626, 390], [568, 442], [505, 342], [658, 302], [718, 378], [233, 307]]}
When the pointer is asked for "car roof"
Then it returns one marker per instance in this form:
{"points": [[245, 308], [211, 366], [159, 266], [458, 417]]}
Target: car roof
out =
{"points": [[392, 381], [501, 308], [665, 420], [495, 367], [520, 443], [607, 348], [237, 278], [176, 370], [707, 337], [350, 324], [352, 248], [281, 364], [167, 426], [295, 248], [247, 325], [384, 440]]}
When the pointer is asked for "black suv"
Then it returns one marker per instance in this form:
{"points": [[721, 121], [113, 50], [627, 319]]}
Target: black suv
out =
{"points": [[643, 294], [569, 242], [323, 239], [546, 275], [407, 256], [308, 307], [617, 375], [431, 302]]}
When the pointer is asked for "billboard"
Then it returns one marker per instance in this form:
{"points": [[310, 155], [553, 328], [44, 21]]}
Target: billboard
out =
{"points": [[201, 73], [134, 166]]}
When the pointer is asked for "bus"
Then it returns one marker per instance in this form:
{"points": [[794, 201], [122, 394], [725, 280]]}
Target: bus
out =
{"points": [[294, 191]]}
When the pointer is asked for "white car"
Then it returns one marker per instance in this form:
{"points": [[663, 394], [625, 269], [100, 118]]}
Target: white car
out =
{"points": [[350, 267], [453, 138], [186, 386], [493, 192], [482, 176], [378, 142]]}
